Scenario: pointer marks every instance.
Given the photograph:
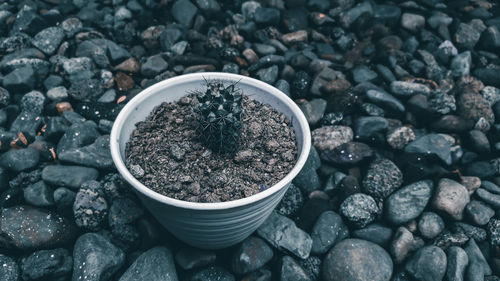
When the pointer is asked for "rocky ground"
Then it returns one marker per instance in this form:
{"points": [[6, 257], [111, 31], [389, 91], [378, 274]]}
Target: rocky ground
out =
{"points": [[402, 98]]}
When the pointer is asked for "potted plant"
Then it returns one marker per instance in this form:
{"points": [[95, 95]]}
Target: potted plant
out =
{"points": [[220, 224]]}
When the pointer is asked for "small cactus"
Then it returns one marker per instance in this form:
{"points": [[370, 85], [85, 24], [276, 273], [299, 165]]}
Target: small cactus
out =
{"points": [[219, 112]]}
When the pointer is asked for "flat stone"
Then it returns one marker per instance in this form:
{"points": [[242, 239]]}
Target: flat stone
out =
{"points": [[95, 258], [451, 198], [457, 262], [39, 194], [329, 137], [189, 258], [431, 144], [156, 264], [20, 159], [408, 89], [355, 259], [95, 155], [408, 202], [385, 101], [49, 39], [291, 270], [282, 233], [429, 263], [476, 257], [47, 265], [153, 66], [328, 230], [68, 176], [41, 228], [251, 254], [183, 12], [478, 212], [401, 244]]}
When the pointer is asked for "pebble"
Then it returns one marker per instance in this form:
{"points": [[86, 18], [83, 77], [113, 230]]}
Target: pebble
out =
{"points": [[376, 233], [68, 176], [292, 201], [408, 89], [408, 202], [382, 178], [371, 128], [478, 212], [328, 230], [20, 80], [47, 265], [213, 273], [41, 228], [385, 100], [430, 225], [20, 159], [282, 233], [64, 197], [39, 194], [428, 263], [451, 198], [266, 16], [269, 74], [49, 39], [363, 74], [156, 264], [95, 258], [431, 144], [356, 259], [399, 137], [153, 66], [476, 259], [291, 270], [494, 232], [250, 255], [124, 211], [9, 269], [95, 155], [90, 207], [348, 154], [359, 209], [401, 244], [412, 22], [184, 12], [466, 36], [470, 231], [329, 137], [457, 262], [189, 258], [460, 64]]}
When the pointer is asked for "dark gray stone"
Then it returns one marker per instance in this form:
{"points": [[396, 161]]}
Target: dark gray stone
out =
{"points": [[124, 211], [460, 64], [156, 264], [371, 129], [478, 212], [359, 209], [183, 12], [408, 202], [476, 258], [77, 135], [431, 144], [269, 74], [189, 258], [430, 225], [376, 233], [457, 262], [428, 264], [355, 259], [282, 233], [18, 160], [292, 201], [291, 270], [95, 258], [348, 154], [213, 273], [307, 179], [20, 80], [40, 228], [382, 178], [385, 101], [39, 194], [494, 232], [95, 155], [64, 197], [409, 89], [328, 230], [363, 74], [251, 254], [68, 176], [266, 16], [9, 269], [154, 65], [401, 244], [49, 39], [47, 265]]}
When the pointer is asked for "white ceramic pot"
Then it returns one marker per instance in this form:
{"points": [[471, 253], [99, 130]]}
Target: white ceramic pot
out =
{"points": [[208, 225]]}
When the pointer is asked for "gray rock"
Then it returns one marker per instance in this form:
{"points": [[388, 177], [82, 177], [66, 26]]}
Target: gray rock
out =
{"points": [[476, 257], [266, 16], [248, 9], [430, 225], [408, 202], [77, 135], [494, 232], [39, 194], [409, 89], [382, 178], [328, 230], [78, 68], [457, 262], [431, 144], [466, 36], [488, 197], [269, 74], [95, 155], [348, 154], [470, 231], [412, 22], [451, 198], [291, 270], [359, 209], [156, 264], [9, 269], [313, 110], [20, 80], [400, 137], [154, 65], [460, 64], [40, 228], [292, 201], [282, 233], [401, 244], [189, 258], [47, 265], [428, 264], [251, 254], [355, 259], [375, 233], [213, 273], [307, 179], [478, 212], [124, 211], [68, 176], [64, 197], [95, 258], [491, 94], [18, 160], [385, 101], [183, 12], [329, 137], [90, 207], [363, 74], [350, 16], [57, 93], [49, 39], [371, 128], [312, 266]]}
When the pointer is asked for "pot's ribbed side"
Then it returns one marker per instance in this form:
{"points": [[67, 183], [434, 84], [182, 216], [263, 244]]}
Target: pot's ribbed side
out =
{"points": [[214, 229]]}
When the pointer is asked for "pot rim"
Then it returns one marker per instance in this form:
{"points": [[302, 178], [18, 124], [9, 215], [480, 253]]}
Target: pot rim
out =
{"points": [[146, 93]]}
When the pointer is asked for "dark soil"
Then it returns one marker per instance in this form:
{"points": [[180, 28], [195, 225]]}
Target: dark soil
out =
{"points": [[166, 155]]}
